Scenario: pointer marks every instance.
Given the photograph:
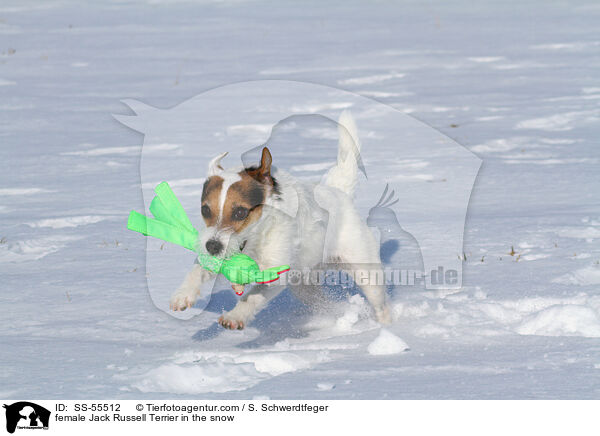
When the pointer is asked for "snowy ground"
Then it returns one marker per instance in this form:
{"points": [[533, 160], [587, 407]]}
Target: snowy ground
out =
{"points": [[516, 83]]}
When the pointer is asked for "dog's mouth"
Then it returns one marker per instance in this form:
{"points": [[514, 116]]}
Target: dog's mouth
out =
{"points": [[242, 245]]}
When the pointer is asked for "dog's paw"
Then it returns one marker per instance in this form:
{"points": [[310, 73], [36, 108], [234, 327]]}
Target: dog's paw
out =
{"points": [[230, 323], [383, 315], [183, 299]]}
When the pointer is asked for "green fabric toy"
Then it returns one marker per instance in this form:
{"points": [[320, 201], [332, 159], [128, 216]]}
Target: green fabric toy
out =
{"points": [[171, 223]]}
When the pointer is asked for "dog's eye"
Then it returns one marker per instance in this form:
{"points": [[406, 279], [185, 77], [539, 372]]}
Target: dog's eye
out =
{"points": [[239, 213], [205, 211]]}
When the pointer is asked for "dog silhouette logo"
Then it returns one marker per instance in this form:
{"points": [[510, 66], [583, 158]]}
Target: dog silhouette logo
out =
{"points": [[26, 415]]}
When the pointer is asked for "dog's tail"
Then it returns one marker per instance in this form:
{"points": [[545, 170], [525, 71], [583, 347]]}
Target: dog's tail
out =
{"points": [[343, 175]]}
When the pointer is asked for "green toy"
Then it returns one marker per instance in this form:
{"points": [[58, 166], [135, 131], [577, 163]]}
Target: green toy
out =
{"points": [[171, 223]]}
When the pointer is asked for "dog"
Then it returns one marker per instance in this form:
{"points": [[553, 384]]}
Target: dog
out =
{"points": [[266, 213]]}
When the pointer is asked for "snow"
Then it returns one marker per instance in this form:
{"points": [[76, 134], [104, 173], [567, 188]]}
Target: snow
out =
{"points": [[33, 249], [325, 386], [72, 221], [22, 191], [560, 122], [580, 232], [486, 59], [589, 275], [195, 379], [370, 79], [386, 343], [101, 151], [562, 320], [78, 320], [357, 307]]}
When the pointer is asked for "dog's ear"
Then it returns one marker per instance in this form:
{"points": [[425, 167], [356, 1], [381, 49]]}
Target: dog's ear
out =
{"points": [[263, 172], [214, 166]]}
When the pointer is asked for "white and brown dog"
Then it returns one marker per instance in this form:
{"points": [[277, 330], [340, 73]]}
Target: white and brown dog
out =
{"points": [[278, 220]]}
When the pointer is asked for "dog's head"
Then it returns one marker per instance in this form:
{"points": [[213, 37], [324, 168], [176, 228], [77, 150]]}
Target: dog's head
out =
{"points": [[232, 202]]}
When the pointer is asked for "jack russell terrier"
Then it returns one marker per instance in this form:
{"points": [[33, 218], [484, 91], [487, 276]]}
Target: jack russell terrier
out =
{"points": [[246, 209]]}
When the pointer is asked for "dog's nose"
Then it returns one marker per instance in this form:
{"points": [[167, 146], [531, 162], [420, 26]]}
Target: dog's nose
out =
{"points": [[214, 247]]}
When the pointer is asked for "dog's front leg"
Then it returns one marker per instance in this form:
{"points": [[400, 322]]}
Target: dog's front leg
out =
{"points": [[189, 291], [249, 305]]}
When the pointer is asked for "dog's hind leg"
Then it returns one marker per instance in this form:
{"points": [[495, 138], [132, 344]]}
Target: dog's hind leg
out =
{"points": [[361, 261], [367, 279], [355, 247]]}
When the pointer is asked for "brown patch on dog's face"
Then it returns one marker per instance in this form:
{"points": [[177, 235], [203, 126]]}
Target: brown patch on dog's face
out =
{"points": [[244, 199], [211, 193], [243, 204]]}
